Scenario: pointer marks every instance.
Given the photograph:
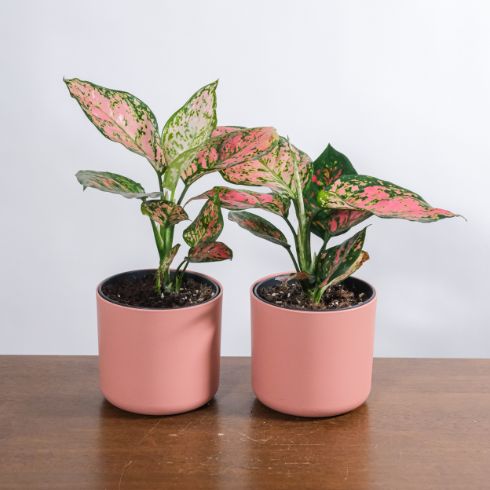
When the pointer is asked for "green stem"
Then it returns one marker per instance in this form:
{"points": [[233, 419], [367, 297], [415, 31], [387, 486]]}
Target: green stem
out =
{"points": [[181, 198], [296, 266], [158, 239], [303, 241]]}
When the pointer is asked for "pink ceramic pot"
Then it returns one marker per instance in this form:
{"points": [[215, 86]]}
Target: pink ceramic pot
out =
{"points": [[159, 361], [312, 364]]}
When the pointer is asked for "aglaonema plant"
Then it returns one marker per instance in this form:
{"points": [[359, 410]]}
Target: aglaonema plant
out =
{"points": [[328, 196], [189, 146]]}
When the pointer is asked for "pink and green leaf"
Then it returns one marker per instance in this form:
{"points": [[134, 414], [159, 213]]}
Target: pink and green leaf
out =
{"points": [[327, 168], [337, 263], [238, 200], [226, 150], [209, 252], [379, 197], [206, 227], [274, 169], [333, 222], [192, 124], [120, 117], [164, 212], [167, 261], [114, 183], [221, 130], [259, 226]]}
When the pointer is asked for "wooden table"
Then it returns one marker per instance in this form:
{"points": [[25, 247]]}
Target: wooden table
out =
{"points": [[425, 426]]}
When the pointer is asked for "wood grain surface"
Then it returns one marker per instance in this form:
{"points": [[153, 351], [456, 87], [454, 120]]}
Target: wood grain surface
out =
{"points": [[425, 426]]}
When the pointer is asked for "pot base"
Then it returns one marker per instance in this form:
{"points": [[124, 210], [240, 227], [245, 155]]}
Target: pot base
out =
{"points": [[142, 409]]}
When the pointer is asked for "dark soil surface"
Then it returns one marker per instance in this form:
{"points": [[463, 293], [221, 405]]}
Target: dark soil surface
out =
{"points": [[138, 291], [290, 294]]}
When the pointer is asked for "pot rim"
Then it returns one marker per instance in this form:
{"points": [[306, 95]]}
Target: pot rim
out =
{"points": [[102, 297], [256, 284]]}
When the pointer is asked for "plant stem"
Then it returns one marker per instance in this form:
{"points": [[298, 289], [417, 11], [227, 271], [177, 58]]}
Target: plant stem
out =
{"points": [[303, 241], [288, 248], [181, 198], [158, 239]]}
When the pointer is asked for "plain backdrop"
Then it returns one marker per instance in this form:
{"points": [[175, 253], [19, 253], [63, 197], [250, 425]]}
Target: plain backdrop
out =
{"points": [[401, 87]]}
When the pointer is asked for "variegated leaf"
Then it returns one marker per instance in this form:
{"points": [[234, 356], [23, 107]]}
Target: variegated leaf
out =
{"points": [[209, 252], [206, 227], [120, 117], [237, 200], [381, 198], [167, 261], [333, 222], [274, 169], [221, 130], [228, 149], [259, 227], [164, 212], [337, 263], [115, 183], [327, 168], [191, 125]]}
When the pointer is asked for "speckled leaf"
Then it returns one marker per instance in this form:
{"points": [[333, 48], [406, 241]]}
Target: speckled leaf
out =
{"points": [[167, 261], [192, 124], [381, 198], [164, 212], [337, 263], [121, 117], [221, 130], [274, 169], [334, 222], [206, 227], [327, 168], [237, 200], [228, 149], [209, 252], [259, 227], [109, 182]]}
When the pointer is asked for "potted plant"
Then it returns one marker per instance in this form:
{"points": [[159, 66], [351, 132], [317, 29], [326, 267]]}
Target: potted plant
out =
{"points": [[313, 329], [159, 330]]}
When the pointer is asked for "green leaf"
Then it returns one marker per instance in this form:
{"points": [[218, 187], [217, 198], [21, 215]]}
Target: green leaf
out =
{"points": [[191, 125], [259, 227], [327, 168], [120, 117], [164, 212], [206, 227], [114, 183], [337, 263], [209, 252], [379, 197]]}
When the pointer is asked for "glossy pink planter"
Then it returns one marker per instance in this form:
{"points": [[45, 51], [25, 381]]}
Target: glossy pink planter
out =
{"points": [[159, 361], [312, 364]]}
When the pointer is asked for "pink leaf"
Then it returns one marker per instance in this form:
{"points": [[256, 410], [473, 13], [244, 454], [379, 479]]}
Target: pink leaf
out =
{"points": [[382, 198], [209, 252], [274, 170], [230, 148], [237, 200], [120, 117]]}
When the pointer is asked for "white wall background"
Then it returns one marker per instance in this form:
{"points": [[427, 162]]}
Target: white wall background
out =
{"points": [[401, 87]]}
